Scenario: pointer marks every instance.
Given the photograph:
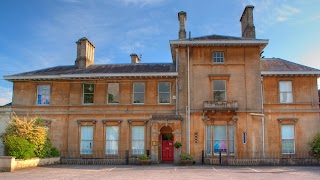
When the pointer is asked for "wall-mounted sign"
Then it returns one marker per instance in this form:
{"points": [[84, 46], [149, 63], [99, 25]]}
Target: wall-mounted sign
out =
{"points": [[154, 143]]}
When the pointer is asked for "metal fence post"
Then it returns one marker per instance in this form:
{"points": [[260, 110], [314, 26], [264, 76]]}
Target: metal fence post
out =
{"points": [[220, 157], [127, 157], [202, 160]]}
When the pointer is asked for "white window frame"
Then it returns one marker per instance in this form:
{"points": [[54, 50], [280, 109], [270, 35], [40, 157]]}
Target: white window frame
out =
{"points": [[82, 140], [210, 141], [47, 87], [133, 94], [137, 139], [164, 93], [224, 91], [218, 59], [83, 93], [285, 93], [113, 94], [286, 139], [113, 151]]}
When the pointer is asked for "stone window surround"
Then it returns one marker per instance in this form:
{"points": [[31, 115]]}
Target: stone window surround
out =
{"points": [[221, 121], [292, 90], [86, 122], [36, 94], [111, 122], [137, 122], [288, 121]]}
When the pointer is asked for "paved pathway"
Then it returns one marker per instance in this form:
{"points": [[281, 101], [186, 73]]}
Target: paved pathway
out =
{"points": [[164, 171]]}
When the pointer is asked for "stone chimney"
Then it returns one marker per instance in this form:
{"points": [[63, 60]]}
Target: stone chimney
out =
{"points": [[247, 26], [85, 53], [134, 58], [182, 17]]}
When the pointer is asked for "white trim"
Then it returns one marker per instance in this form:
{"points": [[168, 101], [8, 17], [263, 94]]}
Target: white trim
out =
{"points": [[118, 74], [164, 92], [219, 42], [90, 75], [32, 77], [290, 72]]}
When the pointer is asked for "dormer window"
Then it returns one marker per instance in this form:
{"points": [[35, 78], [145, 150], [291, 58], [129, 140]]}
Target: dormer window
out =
{"points": [[218, 57]]}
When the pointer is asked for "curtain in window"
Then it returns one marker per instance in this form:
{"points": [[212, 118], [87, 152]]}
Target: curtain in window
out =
{"points": [[220, 139], [137, 139], [112, 140], [287, 139], [209, 140], [86, 139], [285, 91]]}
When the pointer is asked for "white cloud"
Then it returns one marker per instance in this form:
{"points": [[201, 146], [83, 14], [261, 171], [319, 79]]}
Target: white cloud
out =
{"points": [[5, 95], [284, 12], [133, 47], [269, 12], [281, 19]]}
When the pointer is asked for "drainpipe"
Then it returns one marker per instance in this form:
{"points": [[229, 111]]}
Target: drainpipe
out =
{"points": [[177, 84], [262, 118], [188, 111]]}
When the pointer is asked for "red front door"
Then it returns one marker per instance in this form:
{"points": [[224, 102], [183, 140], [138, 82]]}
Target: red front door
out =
{"points": [[167, 150]]}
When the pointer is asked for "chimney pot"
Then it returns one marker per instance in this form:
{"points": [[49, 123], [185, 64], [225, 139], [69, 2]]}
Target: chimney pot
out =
{"points": [[134, 58]]}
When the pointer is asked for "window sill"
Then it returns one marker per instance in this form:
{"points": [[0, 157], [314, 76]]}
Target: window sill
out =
{"points": [[87, 104]]}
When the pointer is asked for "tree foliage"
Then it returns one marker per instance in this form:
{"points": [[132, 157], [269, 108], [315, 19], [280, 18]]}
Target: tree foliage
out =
{"points": [[315, 145], [31, 130]]}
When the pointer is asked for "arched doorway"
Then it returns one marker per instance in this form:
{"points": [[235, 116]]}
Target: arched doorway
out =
{"points": [[166, 138]]}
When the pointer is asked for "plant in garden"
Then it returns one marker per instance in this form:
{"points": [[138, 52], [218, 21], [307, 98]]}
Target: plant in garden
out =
{"points": [[314, 143], [19, 147], [184, 156], [30, 130], [143, 157]]}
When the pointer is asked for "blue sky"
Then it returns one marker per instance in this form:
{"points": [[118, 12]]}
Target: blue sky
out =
{"points": [[36, 34]]}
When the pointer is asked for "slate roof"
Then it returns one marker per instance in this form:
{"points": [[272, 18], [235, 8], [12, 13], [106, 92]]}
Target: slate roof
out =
{"points": [[277, 64], [218, 37], [108, 69]]}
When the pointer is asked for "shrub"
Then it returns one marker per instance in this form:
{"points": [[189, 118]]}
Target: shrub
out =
{"points": [[184, 156], [315, 145], [143, 157], [54, 152], [19, 147], [33, 131]]}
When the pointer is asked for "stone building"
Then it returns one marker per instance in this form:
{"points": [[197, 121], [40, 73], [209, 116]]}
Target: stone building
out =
{"points": [[216, 96]]}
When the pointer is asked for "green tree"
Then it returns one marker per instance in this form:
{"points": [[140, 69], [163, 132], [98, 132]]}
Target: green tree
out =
{"points": [[314, 143]]}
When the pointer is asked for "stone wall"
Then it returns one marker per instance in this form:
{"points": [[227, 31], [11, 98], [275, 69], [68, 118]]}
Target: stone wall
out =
{"points": [[9, 163]]}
